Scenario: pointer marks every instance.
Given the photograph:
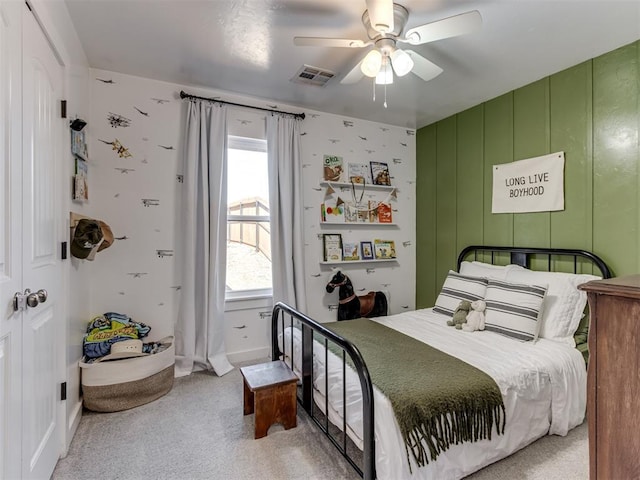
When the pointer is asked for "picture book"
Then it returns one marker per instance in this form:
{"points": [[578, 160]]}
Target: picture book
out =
{"points": [[384, 249], [380, 173], [332, 212], [373, 211], [78, 145], [350, 251], [350, 213], [332, 168], [385, 215], [359, 173]]}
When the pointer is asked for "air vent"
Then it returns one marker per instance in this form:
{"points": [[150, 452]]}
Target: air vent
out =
{"points": [[312, 76]]}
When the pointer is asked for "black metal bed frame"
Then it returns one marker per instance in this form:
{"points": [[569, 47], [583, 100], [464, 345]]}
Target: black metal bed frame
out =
{"points": [[518, 255]]}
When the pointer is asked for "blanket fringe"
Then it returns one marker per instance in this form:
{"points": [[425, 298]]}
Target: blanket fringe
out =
{"points": [[439, 433]]}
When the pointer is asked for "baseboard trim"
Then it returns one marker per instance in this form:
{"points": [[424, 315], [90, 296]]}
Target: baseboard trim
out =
{"points": [[72, 426], [247, 355]]}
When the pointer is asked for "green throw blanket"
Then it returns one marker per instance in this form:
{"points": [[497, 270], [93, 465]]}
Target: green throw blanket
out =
{"points": [[438, 400]]}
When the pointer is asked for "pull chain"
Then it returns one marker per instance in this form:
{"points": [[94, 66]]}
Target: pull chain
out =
{"points": [[385, 95], [374, 89]]}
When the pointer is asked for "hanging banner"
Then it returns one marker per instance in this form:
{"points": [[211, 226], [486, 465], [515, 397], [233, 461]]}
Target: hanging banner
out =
{"points": [[531, 185]]}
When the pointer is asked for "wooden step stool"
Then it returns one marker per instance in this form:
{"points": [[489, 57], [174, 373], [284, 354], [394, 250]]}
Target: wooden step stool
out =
{"points": [[270, 391]]}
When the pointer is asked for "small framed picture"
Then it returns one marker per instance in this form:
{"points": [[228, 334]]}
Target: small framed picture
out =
{"points": [[332, 246], [367, 250]]}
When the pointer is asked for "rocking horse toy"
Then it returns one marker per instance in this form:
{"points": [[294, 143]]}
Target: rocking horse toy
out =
{"points": [[373, 304]]}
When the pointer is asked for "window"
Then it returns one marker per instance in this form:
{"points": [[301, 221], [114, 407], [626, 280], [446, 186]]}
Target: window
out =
{"points": [[248, 228]]}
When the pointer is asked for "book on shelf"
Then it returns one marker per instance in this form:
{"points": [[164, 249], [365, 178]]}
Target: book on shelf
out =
{"points": [[359, 173], [332, 168], [80, 186], [385, 214], [380, 173], [350, 213], [367, 250], [373, 211], [384, 249], [332, 247], [331, 212], [78, 144], [350, 251]]}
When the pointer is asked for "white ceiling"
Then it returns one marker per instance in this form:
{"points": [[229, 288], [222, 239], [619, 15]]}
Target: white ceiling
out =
{"points": [[246, 47]]}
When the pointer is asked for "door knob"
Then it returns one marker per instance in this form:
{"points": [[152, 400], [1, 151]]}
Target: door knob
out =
{"points": [[32, 300], [42, 295], [28, 299]]}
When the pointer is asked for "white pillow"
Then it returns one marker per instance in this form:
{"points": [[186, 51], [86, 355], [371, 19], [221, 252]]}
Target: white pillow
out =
{"points": [[563, 305], [513, 309], [456, 288], [486, 270]]}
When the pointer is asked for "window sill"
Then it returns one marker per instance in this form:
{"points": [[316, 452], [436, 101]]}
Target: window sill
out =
{"points": [[248, 302]]}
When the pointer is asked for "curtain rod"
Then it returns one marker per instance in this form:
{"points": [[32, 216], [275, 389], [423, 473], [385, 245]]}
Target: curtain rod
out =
{"points": [[186, 95]]}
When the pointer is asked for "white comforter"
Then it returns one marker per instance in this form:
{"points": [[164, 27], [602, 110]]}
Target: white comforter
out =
{"points": [[543, 385]]}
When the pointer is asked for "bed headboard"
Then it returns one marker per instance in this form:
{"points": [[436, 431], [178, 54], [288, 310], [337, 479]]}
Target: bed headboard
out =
{"points": [[522, 256]]}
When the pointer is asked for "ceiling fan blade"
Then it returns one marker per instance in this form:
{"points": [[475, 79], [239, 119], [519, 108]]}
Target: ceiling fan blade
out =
{"points": [[447, 27], [354, 76], [381, 15], [422, 67], [328, 42]]}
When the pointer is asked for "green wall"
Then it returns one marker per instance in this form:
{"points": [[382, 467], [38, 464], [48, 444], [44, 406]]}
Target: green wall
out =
{"points": [[592, 113]]}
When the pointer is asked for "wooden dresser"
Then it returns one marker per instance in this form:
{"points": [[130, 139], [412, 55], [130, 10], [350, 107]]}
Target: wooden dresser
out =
{"points": [[613, 384]]}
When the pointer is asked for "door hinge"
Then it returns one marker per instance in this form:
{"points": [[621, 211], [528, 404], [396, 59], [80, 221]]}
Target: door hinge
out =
{"points": [[63, 108], [63, 391]]}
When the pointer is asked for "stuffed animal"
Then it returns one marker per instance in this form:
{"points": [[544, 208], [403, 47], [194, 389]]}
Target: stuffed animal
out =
{"points": [[460, 315], [475, 318]]}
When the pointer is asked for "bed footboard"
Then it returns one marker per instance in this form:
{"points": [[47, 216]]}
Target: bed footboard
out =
{"points": [[285, 316]]}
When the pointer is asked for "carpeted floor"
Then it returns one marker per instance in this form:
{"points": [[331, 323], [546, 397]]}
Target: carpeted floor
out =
{"points": [[198, 431]]}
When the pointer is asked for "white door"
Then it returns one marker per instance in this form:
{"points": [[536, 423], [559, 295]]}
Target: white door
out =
{"points": [[31, 435], [42, 326], [10, 238]]}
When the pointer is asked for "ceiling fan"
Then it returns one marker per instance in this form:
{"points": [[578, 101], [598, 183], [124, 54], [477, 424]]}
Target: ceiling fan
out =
{"points": [[385, 22]]}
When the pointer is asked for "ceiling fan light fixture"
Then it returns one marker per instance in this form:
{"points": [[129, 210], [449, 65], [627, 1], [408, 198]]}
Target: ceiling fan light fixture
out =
{"points": [[385, 75], [401, 62], [371, 63]]}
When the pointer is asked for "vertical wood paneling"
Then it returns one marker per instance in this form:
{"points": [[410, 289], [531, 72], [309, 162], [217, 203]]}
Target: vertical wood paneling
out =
{"points": [[498, 148], [615, 151], [571, 127], [592, 113], [469, 173], [531, 139], [446, 252], [426, 217]]}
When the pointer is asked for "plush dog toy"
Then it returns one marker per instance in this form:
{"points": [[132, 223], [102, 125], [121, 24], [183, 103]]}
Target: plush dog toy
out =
{"points": [[460, 315], [475, 318]]}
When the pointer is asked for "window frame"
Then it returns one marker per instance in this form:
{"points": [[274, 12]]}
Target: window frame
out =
{"points": [[254, 294]]}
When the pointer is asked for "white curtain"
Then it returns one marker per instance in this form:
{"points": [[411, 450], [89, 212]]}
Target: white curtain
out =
{"points": [[286, 207], [199, 332]]}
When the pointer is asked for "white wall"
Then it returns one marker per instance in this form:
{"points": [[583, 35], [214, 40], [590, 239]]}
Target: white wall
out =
{"points": [[359, 141], [130, 276]]}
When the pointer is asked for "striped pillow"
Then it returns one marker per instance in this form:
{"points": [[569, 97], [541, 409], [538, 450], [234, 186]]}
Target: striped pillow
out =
{"points": [[457, 288], [513, 309]]}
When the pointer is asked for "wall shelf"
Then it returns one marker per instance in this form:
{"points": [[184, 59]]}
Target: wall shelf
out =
{"points": [[342, 262], [358, 224], [368, 186]]}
